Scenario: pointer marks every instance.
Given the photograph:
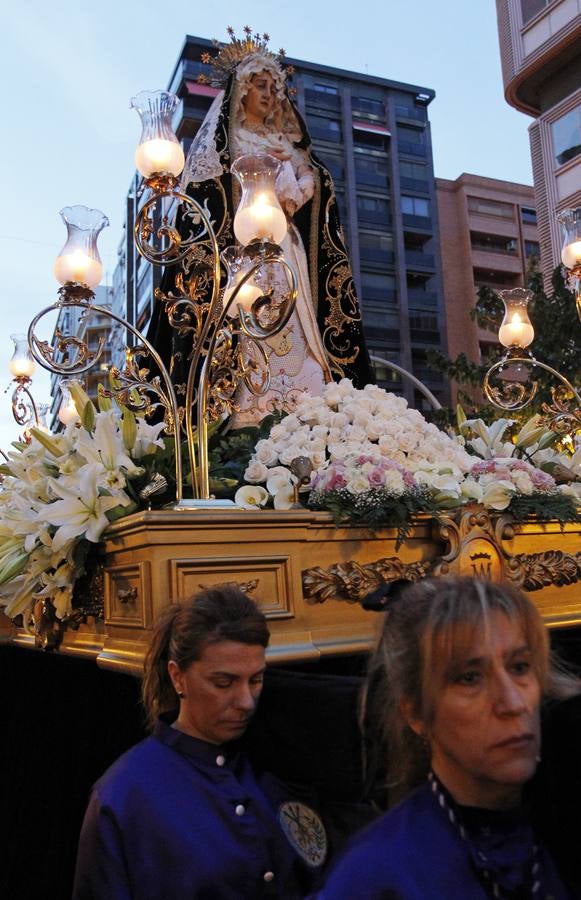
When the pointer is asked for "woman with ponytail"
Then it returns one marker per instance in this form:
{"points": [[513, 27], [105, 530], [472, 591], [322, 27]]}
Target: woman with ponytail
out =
{"points": [[183, 814]]}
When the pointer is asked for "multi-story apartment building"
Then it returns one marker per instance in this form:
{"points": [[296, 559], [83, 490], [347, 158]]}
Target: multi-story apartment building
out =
{"points": [[374, 136], [488, 236], [540, 50]]}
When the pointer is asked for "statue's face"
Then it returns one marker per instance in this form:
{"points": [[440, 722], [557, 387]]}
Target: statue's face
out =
{"points": [[261, 97]]}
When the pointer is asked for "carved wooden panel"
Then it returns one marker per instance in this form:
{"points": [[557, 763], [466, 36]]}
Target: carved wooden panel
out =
{"points": [[267, 579], [128, 595]]}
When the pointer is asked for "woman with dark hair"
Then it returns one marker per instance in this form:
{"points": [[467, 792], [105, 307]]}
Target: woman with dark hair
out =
{"points": [[254, 114], [183, 815], [455, 687]]}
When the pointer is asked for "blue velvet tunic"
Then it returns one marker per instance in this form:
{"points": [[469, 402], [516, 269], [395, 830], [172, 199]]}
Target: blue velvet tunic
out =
{"points": [[415, 853], [178, 818]]}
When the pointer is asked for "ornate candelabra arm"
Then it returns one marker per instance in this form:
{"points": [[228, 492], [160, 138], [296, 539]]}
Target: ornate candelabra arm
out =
{"points": [[24, 410], [254, 330], [517, 394], [178, 246], [249, 322], [44, 355], [513, 395]]}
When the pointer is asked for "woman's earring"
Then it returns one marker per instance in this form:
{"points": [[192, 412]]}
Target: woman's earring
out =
{"points": [[180, 694]]}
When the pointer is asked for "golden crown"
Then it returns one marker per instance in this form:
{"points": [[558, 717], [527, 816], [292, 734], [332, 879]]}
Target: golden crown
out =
{"points": [[230, 56]]}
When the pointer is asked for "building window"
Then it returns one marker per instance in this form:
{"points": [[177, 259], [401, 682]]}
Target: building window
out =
{"points": [[528, 215], [567, 136], [530, 8], [413, 170], [410, 135], [366, 105], [415, 206], [325, 129], [373, 209], [493, 243], [532, 248], [378, 287], [371, 171], [325, 88], [484, 207]]}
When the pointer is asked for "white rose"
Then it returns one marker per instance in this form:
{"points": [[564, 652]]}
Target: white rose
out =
{"points": [[277, 433], [339, 420], [256, 471], [317, 458], [291, 452], [393, 481], [276, 482], [332, 395], [522, 482], [357, 483], [265, 452]]}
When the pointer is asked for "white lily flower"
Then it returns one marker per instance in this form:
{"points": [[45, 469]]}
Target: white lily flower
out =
{"points": [[284, 497], [105, 445], [251, 496], [82, 511], [148, 438]]}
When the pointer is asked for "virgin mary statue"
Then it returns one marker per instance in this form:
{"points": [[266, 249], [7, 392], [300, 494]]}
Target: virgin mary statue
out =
{"points": [[254, 114]]}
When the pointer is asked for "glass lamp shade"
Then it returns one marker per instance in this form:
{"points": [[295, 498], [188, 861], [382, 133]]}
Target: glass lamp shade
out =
{"points": [[237, 268], [159, 152], [79, 259], [516, 329], [259, 215], [570, 222], [21, 363], [67, 411]]}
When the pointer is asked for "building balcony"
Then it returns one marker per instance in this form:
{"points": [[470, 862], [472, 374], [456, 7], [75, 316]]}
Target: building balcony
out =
{"points": [[417, 259], [410, 114], [381, 294], [423, 223], [377, 256], [370, 179], [322, 100], [415, 184], [325, 134], [407, 148], [496, 262], [422, 299], [367, 217]]}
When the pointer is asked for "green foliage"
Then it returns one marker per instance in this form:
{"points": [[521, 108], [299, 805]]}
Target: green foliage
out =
{"points": [[545, 507], [557, 342], [374, 509], [229, 453]]}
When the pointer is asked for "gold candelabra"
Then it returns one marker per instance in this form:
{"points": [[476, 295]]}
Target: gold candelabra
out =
{"points": [[227, 325], [514, 392]]}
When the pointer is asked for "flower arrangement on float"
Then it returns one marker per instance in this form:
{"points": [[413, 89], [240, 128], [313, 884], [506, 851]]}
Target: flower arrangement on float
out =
{"points": [[375, 461], [60, 492]]}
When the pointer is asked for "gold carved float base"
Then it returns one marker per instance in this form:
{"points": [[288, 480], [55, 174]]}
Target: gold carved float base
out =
{"points": [[308, 576]]}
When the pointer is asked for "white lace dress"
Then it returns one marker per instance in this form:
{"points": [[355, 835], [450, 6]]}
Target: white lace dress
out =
{"points": [[296, 356]]}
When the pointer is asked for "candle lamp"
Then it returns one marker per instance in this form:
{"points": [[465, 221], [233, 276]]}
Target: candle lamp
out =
{"points": [[67, 411], [159, 152], [570, 222], [79, 261], [516, 329], [259, 216], [21, 366]]}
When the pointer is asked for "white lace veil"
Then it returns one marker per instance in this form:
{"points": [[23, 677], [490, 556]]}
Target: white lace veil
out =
{"points": [[203, 160]]}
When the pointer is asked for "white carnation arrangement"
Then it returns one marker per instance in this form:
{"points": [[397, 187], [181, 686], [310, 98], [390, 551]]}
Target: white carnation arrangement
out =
{"points": [[358, 441], [370, 453]]}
